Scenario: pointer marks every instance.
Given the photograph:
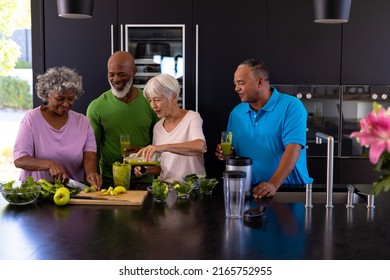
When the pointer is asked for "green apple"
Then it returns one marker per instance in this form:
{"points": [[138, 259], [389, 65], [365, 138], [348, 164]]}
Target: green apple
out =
{"points": [[62, 196]]}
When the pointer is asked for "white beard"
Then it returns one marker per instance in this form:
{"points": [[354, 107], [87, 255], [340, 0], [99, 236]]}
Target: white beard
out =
{"points": [[121, 93]]}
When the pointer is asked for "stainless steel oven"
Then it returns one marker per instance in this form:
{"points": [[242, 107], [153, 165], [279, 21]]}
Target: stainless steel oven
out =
{"points": [[322, 103], [157, 48], [336, 110], [357, 102]]}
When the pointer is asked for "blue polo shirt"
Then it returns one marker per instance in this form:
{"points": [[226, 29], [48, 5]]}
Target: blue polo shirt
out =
{"points": [[263, 136]]}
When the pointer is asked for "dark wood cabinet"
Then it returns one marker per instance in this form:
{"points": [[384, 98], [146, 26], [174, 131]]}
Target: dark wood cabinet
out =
{"points": [[155, 11], [85, 45], [80, 44], [317, 167], [300, 51], [227, 35], [366, 43], [356, 171], [345, 170]]}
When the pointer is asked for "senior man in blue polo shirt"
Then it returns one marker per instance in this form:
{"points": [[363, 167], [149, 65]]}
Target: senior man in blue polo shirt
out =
{"points": [[270, 128]]}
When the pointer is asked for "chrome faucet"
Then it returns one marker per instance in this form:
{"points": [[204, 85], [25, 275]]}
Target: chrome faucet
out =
{"points": [[329, 166]]}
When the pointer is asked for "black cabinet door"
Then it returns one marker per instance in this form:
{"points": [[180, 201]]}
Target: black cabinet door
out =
{"points": [[366, 43], [228, 33], [356, 171], [82, 44], [154, 11], [317, 167], [300, 51]]}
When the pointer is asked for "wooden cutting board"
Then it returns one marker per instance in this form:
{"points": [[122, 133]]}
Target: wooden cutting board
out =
{"points": [[131, 197]]}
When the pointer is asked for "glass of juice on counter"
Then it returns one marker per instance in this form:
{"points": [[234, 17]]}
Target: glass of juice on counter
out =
{"points": [[121, 174], [125, 142], [226, 142]]}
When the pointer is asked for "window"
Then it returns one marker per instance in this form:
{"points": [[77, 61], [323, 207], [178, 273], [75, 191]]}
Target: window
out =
{"points": [[15, 77]]}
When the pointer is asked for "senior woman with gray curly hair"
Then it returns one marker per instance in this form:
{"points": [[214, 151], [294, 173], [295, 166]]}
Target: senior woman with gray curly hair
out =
{"points": [[54, 142]]}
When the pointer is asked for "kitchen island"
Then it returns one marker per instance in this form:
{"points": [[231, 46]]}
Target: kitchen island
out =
{"points": [[194, 229]]}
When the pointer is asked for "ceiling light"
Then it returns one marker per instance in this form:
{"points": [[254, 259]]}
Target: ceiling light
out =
{"points": [[76, 9], [331, 11]]}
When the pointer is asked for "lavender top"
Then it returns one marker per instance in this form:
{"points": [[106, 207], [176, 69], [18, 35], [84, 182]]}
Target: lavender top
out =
{"points": [[65, 145]]}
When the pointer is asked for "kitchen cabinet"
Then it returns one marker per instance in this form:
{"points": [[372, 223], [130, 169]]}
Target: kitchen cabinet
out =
{"points": [[227, 35], [80, 44], [366, 43], [317, 167], [300, 51], [356, 170], [155, 11], [85, 45]]}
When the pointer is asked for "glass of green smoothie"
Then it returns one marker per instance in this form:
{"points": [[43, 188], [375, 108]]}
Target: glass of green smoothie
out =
{"points": [[226, 143], [122, 174], [125, 142]]}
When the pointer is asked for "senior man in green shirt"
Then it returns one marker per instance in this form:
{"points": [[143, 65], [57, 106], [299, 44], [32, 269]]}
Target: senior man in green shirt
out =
{"points": [[120, 110]]}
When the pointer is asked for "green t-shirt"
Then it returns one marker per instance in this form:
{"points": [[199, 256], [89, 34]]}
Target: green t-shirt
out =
{"points": [[110, 118]]}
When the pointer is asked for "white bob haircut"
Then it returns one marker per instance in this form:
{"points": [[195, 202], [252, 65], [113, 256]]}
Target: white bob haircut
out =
{"points": [[162, 85]]}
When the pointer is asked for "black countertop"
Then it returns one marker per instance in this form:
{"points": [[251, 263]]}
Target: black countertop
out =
{"points": [[194, 230]]}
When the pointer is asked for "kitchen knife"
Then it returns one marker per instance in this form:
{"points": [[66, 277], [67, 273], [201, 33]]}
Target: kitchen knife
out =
{"points": [[76, 185]]}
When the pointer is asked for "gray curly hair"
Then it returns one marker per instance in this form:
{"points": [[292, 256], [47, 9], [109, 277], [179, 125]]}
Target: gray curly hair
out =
{"points": [[58, 79]]}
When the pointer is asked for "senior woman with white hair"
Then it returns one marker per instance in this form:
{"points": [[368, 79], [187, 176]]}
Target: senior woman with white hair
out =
{"points": [[54, 142], [177, 136]]}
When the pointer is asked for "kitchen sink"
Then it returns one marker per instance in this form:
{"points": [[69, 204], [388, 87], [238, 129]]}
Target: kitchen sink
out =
{"points": [[297, 194]]}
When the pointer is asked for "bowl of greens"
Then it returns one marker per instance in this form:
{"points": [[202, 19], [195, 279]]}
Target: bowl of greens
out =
{"points": [[21, 192], [183, 189], [159, 189], [206, 186], [194, 179]]}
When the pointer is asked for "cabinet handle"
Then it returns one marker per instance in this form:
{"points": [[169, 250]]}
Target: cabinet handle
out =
{"points": [[196, 65], [112, 38], [121, 37]]}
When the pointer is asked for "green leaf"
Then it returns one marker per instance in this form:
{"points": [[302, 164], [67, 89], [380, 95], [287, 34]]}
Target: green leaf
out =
{"points": [[30, 181], [8, 185], [383, 184]]}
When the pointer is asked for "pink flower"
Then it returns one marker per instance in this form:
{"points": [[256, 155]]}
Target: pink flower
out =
{"points": [[375, 132]]}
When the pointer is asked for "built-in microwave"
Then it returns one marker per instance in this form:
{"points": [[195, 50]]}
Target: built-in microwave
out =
{"points": [[157, 49]]}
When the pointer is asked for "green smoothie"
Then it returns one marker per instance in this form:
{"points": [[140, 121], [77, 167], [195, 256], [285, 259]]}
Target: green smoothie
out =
{"points": [[226, 148], [122, 174], [124, 145]]}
